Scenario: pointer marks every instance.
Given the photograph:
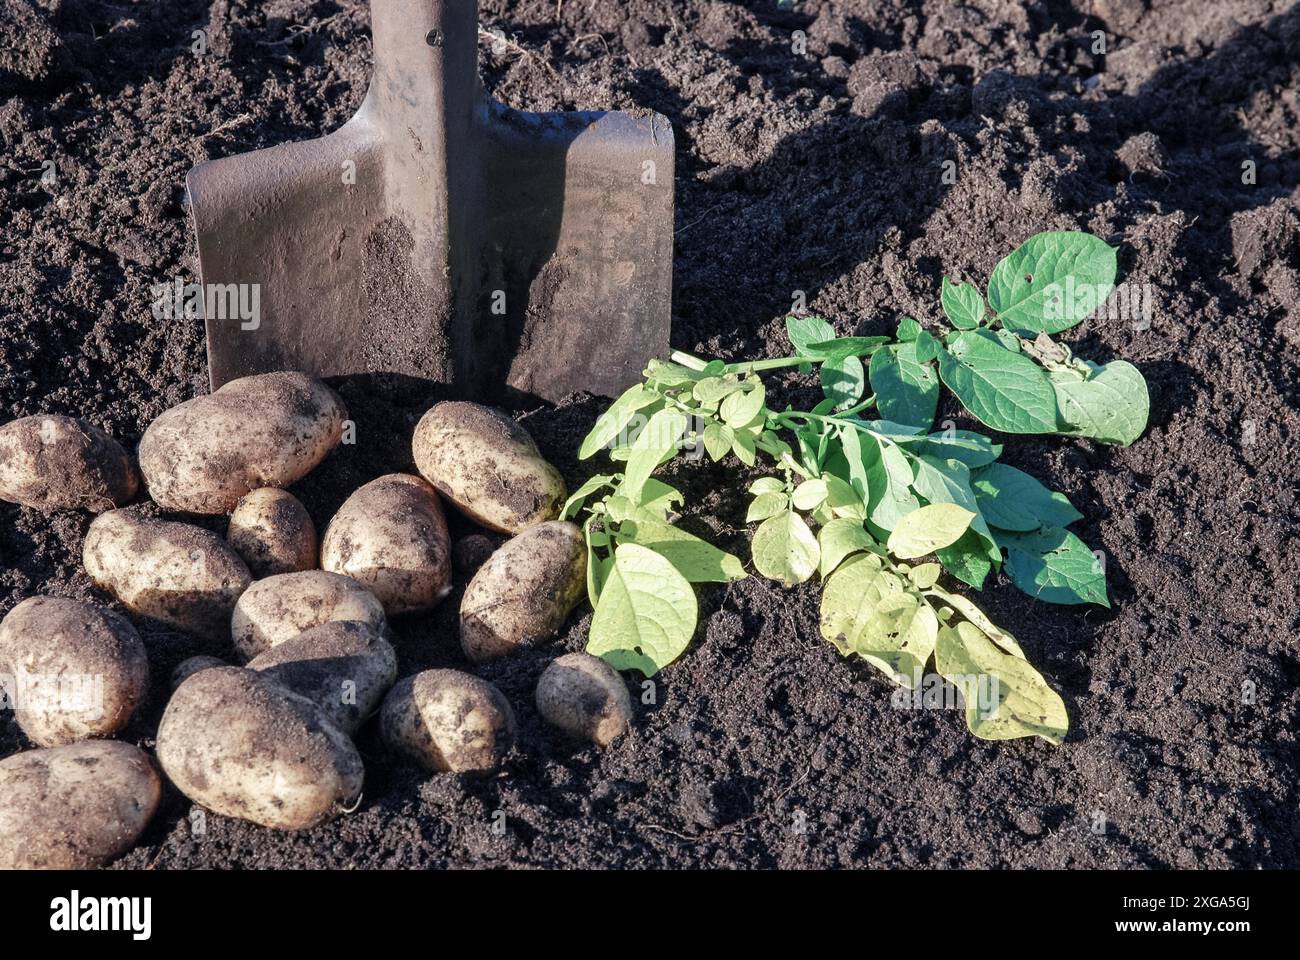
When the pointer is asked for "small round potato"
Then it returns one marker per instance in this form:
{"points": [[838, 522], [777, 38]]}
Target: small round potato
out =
{"points": [[585, 697], [74, 807], [243, 746], [448, 721], [78, 671], [187, 668], [53, 463], [269, 430], [345, 668], [277, 609], [176, 573], [391, 536], [525, 591], [488, 466], [273, 532]]}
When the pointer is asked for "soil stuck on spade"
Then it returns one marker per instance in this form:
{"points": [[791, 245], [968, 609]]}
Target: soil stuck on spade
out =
{"points": [[821, 173]]}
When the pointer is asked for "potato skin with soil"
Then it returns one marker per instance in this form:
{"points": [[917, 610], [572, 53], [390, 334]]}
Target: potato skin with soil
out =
{"points": [[585, 697], [391, 537], [177, 573], [448, 721], [344, 667], [525, 591], [277, 609], [74, 807], [488, 466], [51, 463], [273, 533], [268, 430], [243, 746], [72, 650]]}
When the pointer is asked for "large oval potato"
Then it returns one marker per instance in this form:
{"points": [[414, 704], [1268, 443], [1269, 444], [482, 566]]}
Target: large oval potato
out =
{"points": [[57, 463], [78, 671], [524, 592], [74, 807], [585, 697], [488, 466], [345, 668], [243, 746], [448, 721], [273, 533], [391, 536], [277, 609], [269, 430], [177, 573]]}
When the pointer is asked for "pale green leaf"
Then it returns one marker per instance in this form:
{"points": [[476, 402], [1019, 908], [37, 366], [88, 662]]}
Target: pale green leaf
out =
{"points": [[614, 421], [810, 494], [948, 481], [977, 616], [741, 409], [574, 504], [767, 485], [695, 559], [806, 331], [925, 576], [646, 615], [785, 549], [718, 440], [1005, 697], [962, 303], [928, 528], [658, 499], [766, 505], [840, 539], [656, 442]]}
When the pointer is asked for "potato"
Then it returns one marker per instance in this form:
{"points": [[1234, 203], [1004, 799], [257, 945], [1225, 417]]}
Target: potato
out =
{"points": [[391, 536], [448, 721], [187, 668], [176, 573], [79, 671], [585, 697], [277, 609], [345, 668], [74, 807], [269, 430], [525, 591], [57, 463], [273, 533], [488, 466], [243, 746]]}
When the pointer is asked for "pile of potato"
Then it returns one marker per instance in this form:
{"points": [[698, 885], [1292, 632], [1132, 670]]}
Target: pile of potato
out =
{"points": [[300, 656]]}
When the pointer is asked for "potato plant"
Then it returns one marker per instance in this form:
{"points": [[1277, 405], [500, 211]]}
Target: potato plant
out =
{"points": [[863, 503]]}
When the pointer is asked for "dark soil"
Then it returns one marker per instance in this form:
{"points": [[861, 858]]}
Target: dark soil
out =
{"points": [[821, 173]]}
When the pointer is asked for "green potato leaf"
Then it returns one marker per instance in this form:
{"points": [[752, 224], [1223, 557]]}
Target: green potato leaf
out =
{"points": [[614, 421], [1011, 499], [928, 528], [963, 304], [810, 494], [948, 481], [656, 442], [1005, 697], [646, 614], [695, 559], [840, 539], [1052, 281], [767, 505], [785, 549], [579, 497], [847, 346], [658, 499], [889, 485], [907, 390], [718, 440], [972, 449], [1003, 390], [967, 559], [806, 331], [1111, 406], [843, 379], [741, 409], [1055, 566]]}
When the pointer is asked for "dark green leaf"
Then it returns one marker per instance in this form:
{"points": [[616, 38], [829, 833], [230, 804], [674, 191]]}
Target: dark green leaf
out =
{"points": [[1052, 281], [1003, 390], [1011, 499], [906, 390]]}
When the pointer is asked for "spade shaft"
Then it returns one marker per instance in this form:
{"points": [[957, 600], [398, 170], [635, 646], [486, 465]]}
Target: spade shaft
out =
{"points": [[443, 236]]}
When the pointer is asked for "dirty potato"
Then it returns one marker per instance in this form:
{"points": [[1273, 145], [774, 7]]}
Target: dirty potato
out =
{"points": [[268, 430], [243, 746], [488, 466], [277, 609], [53, 463], [585, 697], [77, 671], [273, 532], [391, 536], [524, 592], [345, 668], [179, 574], [187, 668], [448, 721], [74, 807]]}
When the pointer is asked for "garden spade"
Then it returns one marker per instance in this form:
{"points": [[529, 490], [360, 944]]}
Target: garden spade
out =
{"points": [[443, 236]]}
